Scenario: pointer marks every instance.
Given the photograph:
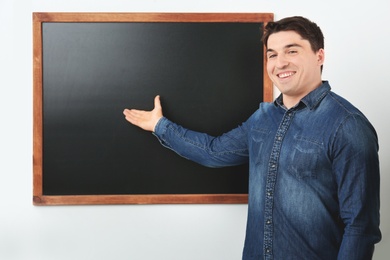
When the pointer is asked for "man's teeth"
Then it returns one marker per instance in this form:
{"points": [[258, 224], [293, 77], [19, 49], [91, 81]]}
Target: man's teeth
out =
{"points": [[285, 75]]}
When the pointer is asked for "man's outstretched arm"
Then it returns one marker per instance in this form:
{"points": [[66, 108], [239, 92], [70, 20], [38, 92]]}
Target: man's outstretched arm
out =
{"points": [[146, 120], [226, 150]]}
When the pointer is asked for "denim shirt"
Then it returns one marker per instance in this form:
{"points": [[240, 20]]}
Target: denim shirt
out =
{"points": [[313, 176]]}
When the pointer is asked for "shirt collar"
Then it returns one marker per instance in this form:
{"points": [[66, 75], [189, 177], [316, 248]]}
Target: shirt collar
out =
{"points": [[312, 99]]}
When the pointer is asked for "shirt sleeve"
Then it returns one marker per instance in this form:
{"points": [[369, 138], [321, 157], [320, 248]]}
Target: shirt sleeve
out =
{"points": [[226, 150], [356, 166]]}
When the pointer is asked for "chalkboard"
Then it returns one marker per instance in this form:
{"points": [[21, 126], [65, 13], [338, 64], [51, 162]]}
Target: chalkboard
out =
{"points": [[208, 70]]}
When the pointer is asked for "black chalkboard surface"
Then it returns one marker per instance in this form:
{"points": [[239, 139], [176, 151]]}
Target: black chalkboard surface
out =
{"points": [[210, 77]]}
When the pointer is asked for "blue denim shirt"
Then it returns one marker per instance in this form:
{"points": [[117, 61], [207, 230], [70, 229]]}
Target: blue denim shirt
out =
{"points": [[313, 180]]}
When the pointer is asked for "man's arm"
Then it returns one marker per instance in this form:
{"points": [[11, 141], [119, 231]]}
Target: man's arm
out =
{"points": [[226, 150], [356, 167], [146, 120]]}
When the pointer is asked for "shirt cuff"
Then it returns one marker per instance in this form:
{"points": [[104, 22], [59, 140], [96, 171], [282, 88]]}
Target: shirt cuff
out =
{"points": [[161, 126]]}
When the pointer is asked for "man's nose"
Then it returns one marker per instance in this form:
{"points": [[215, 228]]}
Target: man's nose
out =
{"points": [[281, 61]]}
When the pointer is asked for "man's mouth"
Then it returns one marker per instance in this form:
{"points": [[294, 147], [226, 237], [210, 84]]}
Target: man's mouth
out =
{"points": [[284, 75]]}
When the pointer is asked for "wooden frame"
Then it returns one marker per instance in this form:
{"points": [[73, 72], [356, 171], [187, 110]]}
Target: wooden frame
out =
{"points": [[38, 18]]}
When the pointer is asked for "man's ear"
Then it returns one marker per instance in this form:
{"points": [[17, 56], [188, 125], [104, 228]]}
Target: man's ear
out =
{"points": [[320, 56]]}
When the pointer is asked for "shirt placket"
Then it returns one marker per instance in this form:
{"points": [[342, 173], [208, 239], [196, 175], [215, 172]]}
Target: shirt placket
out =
{"points": [[270, 186]]}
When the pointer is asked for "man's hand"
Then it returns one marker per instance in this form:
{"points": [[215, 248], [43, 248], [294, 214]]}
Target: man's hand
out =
{"points": [[146, 120]]}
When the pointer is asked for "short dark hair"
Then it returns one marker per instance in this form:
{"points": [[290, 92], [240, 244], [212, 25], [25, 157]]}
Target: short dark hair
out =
{"points": [[307, 29]]}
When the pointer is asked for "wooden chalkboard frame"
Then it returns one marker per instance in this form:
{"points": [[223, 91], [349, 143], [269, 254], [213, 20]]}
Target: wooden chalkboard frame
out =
{"points": [[38, 18]]}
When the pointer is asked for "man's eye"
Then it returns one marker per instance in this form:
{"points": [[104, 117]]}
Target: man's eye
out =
{"points": [[271, 56], [292, 52]]}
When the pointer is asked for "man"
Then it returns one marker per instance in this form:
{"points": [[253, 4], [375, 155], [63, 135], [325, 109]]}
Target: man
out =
{"points": [[313, 157]]}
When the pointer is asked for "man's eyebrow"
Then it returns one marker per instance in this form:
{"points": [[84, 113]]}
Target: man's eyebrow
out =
{"points": [[286, 47], [292, 45]]}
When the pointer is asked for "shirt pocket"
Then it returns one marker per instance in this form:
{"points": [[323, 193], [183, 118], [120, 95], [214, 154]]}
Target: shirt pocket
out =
{"points": [[258, 138], [304, 157]]}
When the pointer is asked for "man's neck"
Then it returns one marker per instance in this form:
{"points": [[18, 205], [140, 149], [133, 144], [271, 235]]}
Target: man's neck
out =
{"points": [[291, 101]]}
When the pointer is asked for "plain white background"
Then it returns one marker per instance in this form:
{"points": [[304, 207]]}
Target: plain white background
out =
{"points": [[357, 45]]}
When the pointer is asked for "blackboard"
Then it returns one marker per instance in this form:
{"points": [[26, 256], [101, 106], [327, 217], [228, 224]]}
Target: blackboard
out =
{"points": [[208, 70]]}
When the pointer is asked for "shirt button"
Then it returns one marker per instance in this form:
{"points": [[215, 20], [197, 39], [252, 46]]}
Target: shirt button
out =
{"points": [[268, 222]]}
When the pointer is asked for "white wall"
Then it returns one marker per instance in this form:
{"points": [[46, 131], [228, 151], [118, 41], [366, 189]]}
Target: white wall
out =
{"points": [[357, 65]]}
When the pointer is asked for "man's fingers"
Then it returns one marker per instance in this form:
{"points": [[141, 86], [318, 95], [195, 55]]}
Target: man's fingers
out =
{"points": [[133, 112], [132, 116]]}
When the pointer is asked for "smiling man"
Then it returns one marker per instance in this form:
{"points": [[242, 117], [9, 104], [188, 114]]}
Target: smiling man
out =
{"points": [[293, 65], [313, 157]]}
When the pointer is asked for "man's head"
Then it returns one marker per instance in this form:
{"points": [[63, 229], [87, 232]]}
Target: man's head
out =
{"points": [[295, 55]]}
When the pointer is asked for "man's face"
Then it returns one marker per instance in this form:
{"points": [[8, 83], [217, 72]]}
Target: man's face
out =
{"points": [[293, 66]]}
